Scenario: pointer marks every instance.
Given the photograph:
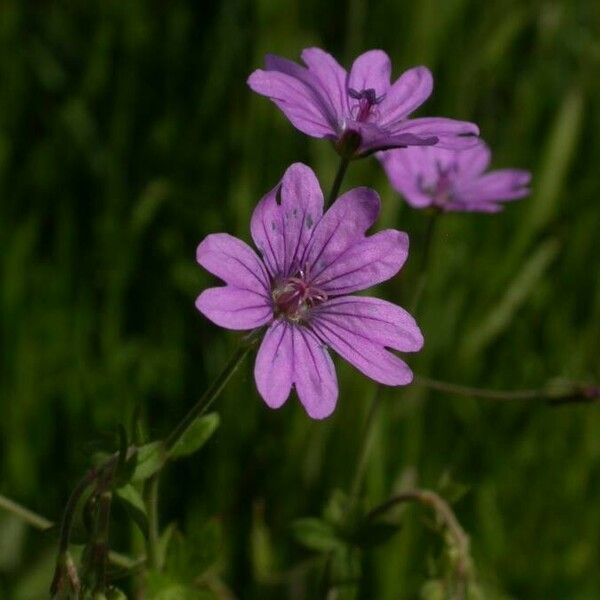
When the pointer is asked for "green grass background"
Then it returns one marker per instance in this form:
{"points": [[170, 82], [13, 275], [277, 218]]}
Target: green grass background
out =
{"points": [[127, 133]]}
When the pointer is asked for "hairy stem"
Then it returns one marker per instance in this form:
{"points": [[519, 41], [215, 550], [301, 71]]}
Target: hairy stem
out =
{"points": [[31, 518], [99, 543], [205, 402], [564, 394], [102, 475]]}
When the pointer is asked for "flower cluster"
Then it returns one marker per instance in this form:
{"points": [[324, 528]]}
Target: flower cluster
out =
{"points": [[300, 285]]}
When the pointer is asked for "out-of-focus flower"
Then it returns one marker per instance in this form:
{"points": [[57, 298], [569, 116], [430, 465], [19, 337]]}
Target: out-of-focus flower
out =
{"points": [[361, 111], [310, 262], [453, 180]]}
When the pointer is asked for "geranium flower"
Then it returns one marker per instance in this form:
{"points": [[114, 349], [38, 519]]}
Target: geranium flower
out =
{"points": [[360, 111], [453, 180], [300, 286]]}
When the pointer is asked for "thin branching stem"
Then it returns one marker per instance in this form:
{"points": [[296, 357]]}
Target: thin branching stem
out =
{"points": [[559, 395], [41, 523], [445, 514], [199, 409], [30, 517]]}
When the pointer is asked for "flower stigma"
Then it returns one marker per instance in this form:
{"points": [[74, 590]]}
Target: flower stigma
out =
{"points": [[364, 108], [295, 296]]}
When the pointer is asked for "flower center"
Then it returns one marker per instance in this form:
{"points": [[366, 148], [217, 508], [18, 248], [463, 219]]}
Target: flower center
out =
{"points": [[363, 109], [295, 296]]}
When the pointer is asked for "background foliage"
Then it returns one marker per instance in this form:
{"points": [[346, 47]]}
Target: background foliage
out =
{"points": [[127, 133]]}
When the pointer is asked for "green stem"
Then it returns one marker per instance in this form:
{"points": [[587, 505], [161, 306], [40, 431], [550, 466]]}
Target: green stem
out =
{"points": [[69, 512], [211, 393], [337, 182], [25, 514], [572, 393], [103, 475], [42, 524], [205, 402]]}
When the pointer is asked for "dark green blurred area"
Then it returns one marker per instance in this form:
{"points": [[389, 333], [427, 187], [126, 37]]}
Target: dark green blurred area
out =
{"points": [[127, 133]]}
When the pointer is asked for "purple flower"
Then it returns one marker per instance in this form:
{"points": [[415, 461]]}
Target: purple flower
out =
{"points": [[361, 111], [310, 262], [453, 180]]}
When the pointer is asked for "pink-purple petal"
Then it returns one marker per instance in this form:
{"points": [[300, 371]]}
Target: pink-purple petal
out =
{"points": [[301, 102], [367, 356], [233, 261], [380, 321], [274, 366], [302, 208], [473, 161], [281, 230], [235, 308], [345, 222], [314, 374], [405, 95], [266, 228], [374, 138], [371, 70], [331, 77], [451, 134], [503, 184], [364, 264]]}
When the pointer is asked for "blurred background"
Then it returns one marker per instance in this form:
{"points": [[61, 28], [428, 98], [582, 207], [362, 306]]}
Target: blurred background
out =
{"points": [[127, 133]]}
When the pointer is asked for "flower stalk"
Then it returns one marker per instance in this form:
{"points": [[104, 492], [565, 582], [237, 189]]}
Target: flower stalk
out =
{"points": [[337, 182], [570, 393], [212, 393], [26, 515]]}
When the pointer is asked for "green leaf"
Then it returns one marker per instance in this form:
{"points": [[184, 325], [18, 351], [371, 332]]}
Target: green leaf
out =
{"points": [[196, 436], [316, 535], [149, 459], [134, 504]]}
